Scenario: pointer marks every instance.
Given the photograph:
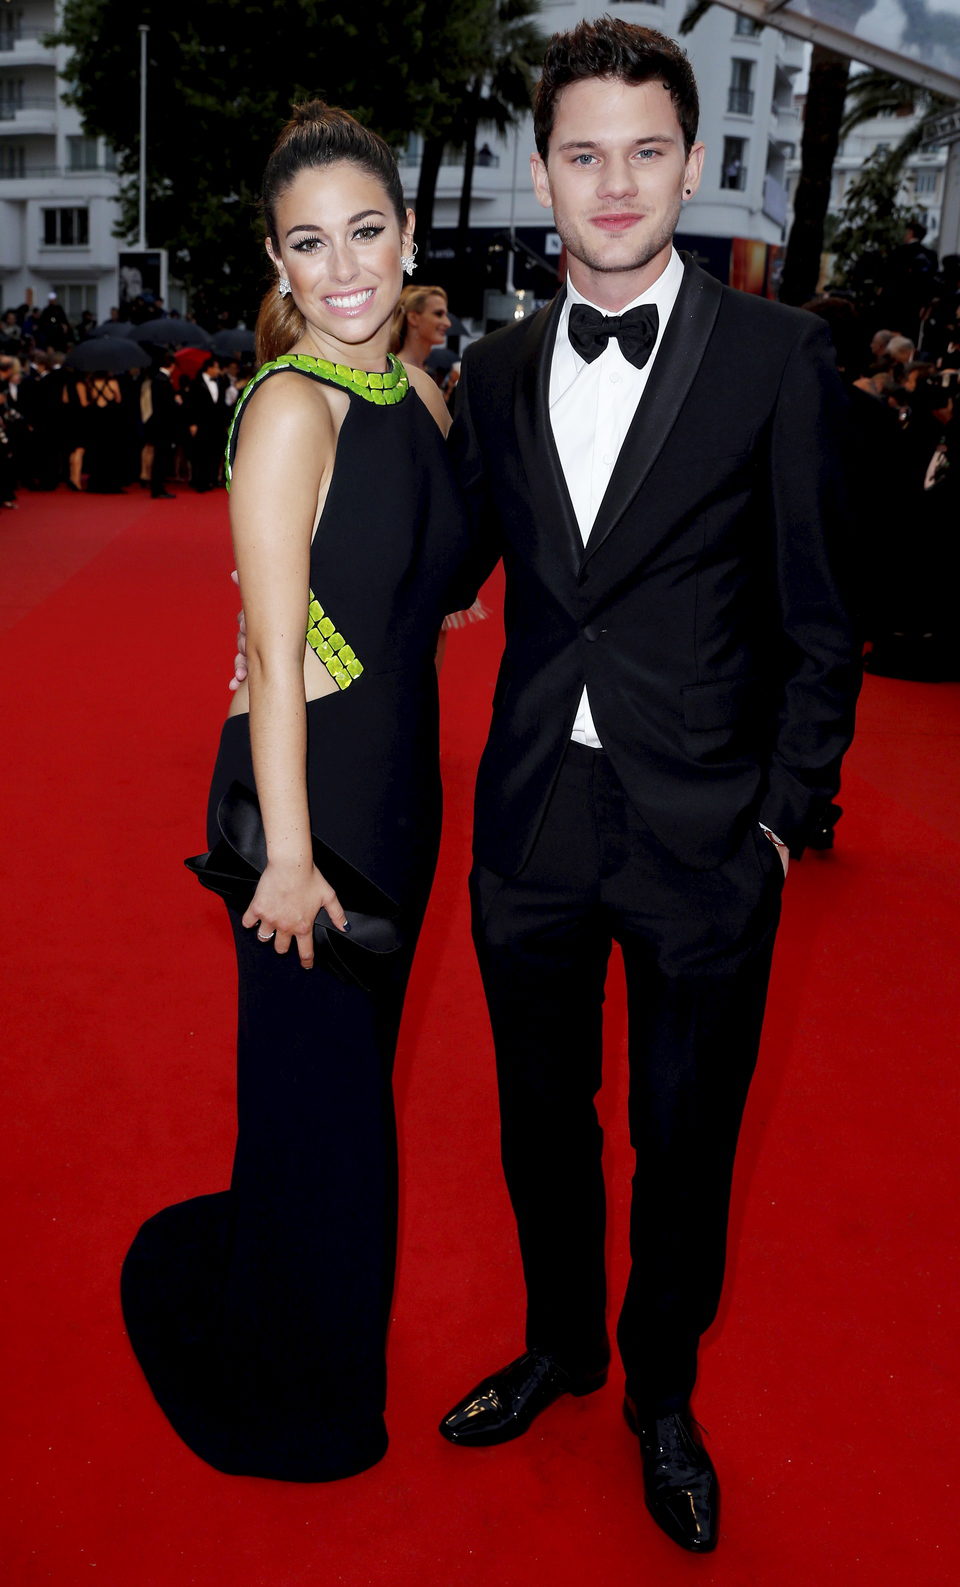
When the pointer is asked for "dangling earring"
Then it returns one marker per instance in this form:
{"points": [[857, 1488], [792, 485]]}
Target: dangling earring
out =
{"points": [[409, 261], [283, 287]]}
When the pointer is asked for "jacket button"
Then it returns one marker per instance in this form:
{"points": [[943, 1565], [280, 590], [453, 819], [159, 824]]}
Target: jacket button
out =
{"points": [[592, 631]]}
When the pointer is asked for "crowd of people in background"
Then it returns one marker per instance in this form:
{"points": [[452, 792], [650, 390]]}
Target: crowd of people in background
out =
{"points": [[898, 348], [104, 432]]}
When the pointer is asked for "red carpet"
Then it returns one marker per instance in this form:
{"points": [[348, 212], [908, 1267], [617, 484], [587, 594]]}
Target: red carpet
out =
{"points": [[828, 1386]]}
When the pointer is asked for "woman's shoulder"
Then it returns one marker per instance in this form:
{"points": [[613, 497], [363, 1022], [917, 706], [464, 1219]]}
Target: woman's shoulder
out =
{"points": [[283, 417], [430, 395], [278, 394]]}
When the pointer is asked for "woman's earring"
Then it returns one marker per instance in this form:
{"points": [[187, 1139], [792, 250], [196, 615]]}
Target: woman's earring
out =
{"points": [[283, 287], [409, 261]]}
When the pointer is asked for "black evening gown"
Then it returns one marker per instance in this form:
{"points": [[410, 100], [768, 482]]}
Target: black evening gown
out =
{"points": [[259, 1314]]}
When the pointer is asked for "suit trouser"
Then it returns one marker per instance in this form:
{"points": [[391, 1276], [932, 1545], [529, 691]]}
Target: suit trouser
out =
{"points": [[697, 947]]}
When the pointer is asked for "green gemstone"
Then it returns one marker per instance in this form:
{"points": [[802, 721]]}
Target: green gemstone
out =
{"points": [[354, 667], [375, 380], [342, 678], [315, 610], [337, 641], [333, 666], [346, 654], [326, 627]]}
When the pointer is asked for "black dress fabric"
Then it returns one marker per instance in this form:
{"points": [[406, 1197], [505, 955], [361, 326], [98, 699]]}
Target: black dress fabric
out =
{"points": [[259, 1314]]}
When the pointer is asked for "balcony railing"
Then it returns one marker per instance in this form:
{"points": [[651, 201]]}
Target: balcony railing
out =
{"points": [[10, 111], [452, 157], [740, 101], [734, 177], [39, 171], [11, 37]]}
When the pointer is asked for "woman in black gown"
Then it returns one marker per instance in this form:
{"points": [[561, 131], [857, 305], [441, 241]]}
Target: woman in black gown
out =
{"points": [[259, 1314]]}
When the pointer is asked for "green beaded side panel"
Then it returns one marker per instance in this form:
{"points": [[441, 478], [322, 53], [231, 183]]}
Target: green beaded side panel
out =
{"points": [[323, 638], [384, 390]]}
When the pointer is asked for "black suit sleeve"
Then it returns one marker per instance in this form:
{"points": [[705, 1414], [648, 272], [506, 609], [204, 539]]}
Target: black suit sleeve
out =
{"points": [[474, 484], [820, 667]]}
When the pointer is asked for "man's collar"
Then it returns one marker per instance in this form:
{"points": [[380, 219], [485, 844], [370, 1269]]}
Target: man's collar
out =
{"points": [[663, 292]]}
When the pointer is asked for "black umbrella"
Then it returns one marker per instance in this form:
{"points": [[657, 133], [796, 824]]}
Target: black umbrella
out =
{"points": [[233, 342], [172, 333], [107, 354], [112, 328]]}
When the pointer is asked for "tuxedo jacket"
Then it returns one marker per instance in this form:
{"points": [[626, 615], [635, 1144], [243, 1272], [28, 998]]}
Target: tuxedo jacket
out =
{"points": [[211, 416], [704, 613], [164, 419]]}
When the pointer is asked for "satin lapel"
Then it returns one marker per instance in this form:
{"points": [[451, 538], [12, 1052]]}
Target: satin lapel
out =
{"points": [[554, 521], [678, 359]]}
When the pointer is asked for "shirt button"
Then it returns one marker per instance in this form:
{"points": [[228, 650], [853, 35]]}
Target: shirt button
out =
{"points": [[615, 380]]}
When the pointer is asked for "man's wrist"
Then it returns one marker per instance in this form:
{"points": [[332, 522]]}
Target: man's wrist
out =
{"points": [[772, 836]]}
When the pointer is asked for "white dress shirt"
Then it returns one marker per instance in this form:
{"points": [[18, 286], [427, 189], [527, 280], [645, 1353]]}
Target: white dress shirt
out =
{"points": [[591, 409]]}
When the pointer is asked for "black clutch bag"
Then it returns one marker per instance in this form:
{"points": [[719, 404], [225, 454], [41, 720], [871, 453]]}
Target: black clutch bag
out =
{"points": [[237, 860]]}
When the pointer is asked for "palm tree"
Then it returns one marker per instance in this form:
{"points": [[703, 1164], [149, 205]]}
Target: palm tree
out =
{"points": [[874, 93], [498, 96], [493, 88]]}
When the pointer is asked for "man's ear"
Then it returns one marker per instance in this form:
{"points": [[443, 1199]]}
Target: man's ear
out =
{"points": [[541, 181], [693, 170]]}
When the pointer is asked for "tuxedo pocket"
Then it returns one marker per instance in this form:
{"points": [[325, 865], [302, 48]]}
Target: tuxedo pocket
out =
{"points": [[707, 706]]}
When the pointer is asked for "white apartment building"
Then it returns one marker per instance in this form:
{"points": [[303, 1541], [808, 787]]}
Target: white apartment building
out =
{"points": [[922, 188], [749, 123], [58, 188]]}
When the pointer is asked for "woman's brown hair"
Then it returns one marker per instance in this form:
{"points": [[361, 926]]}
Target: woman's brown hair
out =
{"points": [[316, 135], [412, 300]]}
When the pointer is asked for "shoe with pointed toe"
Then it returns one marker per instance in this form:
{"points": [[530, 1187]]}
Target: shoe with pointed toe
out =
{"points": [[680, 1484], [504, 1405]]}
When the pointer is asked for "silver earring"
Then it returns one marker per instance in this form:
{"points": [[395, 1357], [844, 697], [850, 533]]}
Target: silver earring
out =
{"points": [[283, 287], [408, 261]]}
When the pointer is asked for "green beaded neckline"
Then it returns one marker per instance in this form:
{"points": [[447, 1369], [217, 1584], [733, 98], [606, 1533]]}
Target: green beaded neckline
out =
{"points": [[385, 389]]}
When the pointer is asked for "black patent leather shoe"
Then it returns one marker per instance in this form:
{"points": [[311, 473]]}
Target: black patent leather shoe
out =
{"points": [[680, 1484], [505, 1404]]}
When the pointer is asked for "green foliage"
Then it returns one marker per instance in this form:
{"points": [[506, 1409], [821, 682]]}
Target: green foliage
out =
{"points": [[871, 222], [222, 76]]}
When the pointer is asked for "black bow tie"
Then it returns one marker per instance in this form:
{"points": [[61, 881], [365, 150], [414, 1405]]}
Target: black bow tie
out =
{"points": [[636, 331]]}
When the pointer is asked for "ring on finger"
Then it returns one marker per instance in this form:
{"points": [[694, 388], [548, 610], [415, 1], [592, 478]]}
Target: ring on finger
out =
{"points": [[268, 938]]}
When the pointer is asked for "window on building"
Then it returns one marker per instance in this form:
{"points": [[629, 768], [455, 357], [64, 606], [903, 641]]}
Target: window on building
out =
{"points": [[66, 228], [925, 181], [740, 92], [12, 159], [733, 173], [11, 97], [746, 28], [82, 154], [109, 158], [74, 297]]}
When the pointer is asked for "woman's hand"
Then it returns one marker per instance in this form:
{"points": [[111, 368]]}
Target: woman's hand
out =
{"points": [[286, 903]]}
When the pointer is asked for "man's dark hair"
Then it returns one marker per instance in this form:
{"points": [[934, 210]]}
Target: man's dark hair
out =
{"points": [[610, 48]]}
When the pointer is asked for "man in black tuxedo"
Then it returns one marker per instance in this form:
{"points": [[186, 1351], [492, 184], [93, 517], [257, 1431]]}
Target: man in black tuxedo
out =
{"points": [[655, 457], [207, 417], [161, 428]]}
